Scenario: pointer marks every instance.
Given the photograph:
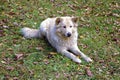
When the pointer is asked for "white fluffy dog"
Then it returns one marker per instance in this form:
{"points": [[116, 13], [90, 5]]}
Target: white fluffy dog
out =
{"points": [[61, 32]]}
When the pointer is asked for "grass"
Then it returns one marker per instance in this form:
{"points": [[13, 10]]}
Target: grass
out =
{"points": [[35, 59]]}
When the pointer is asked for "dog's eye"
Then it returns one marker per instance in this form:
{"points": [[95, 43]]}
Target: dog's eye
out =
{"points": [[64, 26], [70, 26]]}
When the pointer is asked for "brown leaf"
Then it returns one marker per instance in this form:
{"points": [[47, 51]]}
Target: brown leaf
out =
{"points": [[50, 55], [12, 13], [39, 48], [52, 0], [115, 39], [88, 72], [1, 33], [31, 72], [18, 56], [53, 53], [6, 61], [1, 44], [81, 37], [7, 77], [35, 63], [15, 23], [6, 27], [15, 78], [10, 68], [3, 62], [74, 7], [57, 75], [46, 61], [5, 20], [10, 49]]}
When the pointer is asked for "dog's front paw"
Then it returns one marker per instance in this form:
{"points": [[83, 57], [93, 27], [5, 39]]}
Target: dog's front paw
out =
{"points": [[77, 60], [88, 59]]}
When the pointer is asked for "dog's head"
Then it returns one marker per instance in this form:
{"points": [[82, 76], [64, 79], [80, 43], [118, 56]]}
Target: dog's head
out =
{"points": [[66, 26]]}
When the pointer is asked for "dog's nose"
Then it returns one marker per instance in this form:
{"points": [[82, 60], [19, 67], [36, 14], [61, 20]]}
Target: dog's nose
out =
{"points": [[68, 34]]}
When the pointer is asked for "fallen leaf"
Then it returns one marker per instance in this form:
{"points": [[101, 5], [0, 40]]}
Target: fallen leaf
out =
{"points": [[18, 56], [49, 56], [10, 49], [15, 78], [78, 68], [7, 77], [10, 68], [5, 27], [31, 72], [1, 33], [53, 53], [46, 61], [114, 39], [39, 48], [12, 13], [88, 72], [15, 23], [116, 54], [0, 65], [1, 44], [81, 37], [67, 64], [5, 20], [80, 73], [35, 63], [52, 0], [6, 60], [116, 15], [74, 7], [3, 62], [57, 75], [66, 74]]}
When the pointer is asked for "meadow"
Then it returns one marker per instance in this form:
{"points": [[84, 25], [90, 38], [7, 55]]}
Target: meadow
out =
{"points": [[35, 59]]}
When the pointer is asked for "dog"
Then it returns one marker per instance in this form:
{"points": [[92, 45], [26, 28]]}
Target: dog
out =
{"points": [[61, 33]]}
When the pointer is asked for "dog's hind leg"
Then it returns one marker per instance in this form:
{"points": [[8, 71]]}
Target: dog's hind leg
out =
{"points": [[76, 51], [70, 55]]}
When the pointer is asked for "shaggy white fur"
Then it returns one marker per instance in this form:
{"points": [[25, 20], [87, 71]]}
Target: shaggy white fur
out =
{"points": [[61, 32]]}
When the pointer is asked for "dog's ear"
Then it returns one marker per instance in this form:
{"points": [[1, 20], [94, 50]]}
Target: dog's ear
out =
{"points": [[58, 20], [75, 21]]}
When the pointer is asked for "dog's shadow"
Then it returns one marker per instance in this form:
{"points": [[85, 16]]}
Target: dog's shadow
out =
{"points": [[47, 48]]}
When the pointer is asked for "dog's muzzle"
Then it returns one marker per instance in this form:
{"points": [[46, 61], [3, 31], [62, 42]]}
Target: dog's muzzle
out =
{"points": [[68, 34]]}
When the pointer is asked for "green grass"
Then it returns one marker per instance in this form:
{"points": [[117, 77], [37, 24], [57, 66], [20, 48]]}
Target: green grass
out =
{"points": [[99, 38]]}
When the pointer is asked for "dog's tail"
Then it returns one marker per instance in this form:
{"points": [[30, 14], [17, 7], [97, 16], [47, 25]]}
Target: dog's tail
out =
{"points": [[31, 33]]}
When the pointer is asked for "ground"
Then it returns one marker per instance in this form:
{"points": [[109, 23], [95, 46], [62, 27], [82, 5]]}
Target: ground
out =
{"points": [[35, 59]]}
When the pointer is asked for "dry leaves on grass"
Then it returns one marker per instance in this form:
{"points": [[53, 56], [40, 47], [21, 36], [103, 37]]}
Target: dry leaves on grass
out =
{"points": [[10, 68], [1, 33], [52, 53], [40, 48], [6, 61], [18, 56], [46, 61], [8, 77], [88, 71]]}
